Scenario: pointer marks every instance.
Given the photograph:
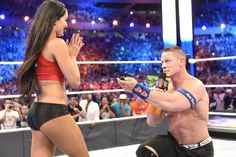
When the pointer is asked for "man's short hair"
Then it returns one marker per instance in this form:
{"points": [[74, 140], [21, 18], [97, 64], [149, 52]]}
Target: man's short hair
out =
{"points": [[175, 49], [73, 95]]}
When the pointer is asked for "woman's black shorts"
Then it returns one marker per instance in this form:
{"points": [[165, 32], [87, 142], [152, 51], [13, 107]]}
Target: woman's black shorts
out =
{"points": [[41, 112]]}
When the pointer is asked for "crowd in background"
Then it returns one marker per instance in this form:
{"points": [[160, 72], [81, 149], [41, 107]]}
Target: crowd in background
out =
{"points": [[117, 46], [85, 107], [87, 11], [206, 12], [99, 46], [212, 14], [99, 106]]}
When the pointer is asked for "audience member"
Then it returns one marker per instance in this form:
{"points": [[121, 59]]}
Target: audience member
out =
{"points": [[9, 116], [24, 115], [74, 108], [121, 108], [91, 109], [105, 111], [138, 106], [212, 101], [219, 97], [229, 99]]}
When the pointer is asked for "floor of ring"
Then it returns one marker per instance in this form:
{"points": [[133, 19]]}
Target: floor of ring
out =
{"points": [[222, 148]]}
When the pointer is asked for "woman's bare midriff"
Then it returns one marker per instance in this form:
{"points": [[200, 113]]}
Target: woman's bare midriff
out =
{"points": [[52, 92]]}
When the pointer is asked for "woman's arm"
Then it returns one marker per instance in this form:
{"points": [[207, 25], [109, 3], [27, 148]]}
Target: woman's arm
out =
{"points": [[65, 55]]}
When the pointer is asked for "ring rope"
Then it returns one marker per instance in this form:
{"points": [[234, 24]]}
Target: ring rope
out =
{"points": [[71, 93], [211, 59], [114, 90], [220, 85], [94, 62], [191, 60], [221, 114], [118, 62]]}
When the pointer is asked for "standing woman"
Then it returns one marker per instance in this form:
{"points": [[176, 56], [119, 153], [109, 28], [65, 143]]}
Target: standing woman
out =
{"points": [[48, 62], [105, 110]]}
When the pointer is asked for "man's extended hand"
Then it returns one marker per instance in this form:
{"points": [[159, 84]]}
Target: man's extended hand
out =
{"points": [[127, 84]]}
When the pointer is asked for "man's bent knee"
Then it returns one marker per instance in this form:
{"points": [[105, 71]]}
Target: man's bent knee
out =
{"points": [[146, 151]]}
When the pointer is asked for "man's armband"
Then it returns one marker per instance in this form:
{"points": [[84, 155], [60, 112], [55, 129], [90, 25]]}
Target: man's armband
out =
{"points": [[189, 96], [141, 91]]}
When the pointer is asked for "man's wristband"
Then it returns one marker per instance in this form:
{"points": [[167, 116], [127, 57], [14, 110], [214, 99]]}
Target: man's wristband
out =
{"points": [[141, 91]]}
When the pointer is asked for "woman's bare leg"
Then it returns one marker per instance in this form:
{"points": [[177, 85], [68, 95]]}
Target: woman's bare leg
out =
{"points": [[66, 135], [41, 145]]}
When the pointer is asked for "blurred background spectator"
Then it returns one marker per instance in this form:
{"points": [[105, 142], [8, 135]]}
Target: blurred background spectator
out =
{"points": [[10, 115], [121, 108], [73, 107], [105, 110]]}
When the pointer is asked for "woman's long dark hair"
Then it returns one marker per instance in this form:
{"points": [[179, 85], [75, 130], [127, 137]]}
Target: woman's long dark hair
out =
{"points": [[45, 18]]}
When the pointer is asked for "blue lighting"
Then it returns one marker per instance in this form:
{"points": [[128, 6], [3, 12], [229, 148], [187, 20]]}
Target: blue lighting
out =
{"points": [[93, 22], [222, 26], [2, 16], [204, 28], [131, 24]]}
